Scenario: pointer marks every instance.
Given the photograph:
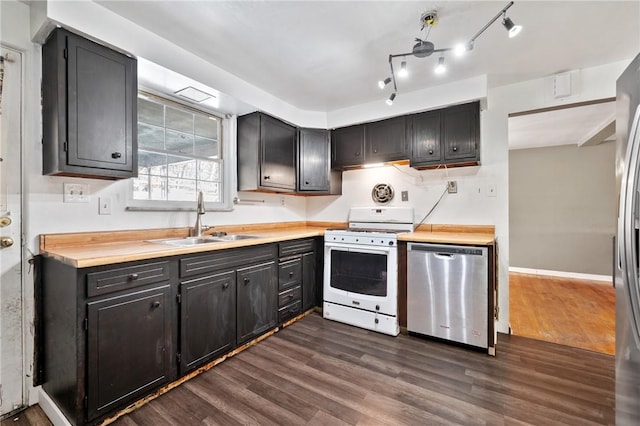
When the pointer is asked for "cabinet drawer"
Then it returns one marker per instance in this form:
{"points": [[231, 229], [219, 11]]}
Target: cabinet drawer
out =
{"points": [[289, 273], [291, 248], [288, 296], [223, 259], [289, 311], [123, 278]]}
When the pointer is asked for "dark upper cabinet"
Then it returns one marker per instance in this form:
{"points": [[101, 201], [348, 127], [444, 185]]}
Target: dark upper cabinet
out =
{"points": [[89, 109], [445, 136], [460, 128], [266, 154], [257, 293], [347, 145], [128, 347], [425, 132], [369, 143], [386, 140], [314, 163], [207, 319]]}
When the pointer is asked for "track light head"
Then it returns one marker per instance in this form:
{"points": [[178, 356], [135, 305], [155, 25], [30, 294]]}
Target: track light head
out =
{"points": [[440, 68], [513, 29], [383, 83], [403, 70], [391, 98]]}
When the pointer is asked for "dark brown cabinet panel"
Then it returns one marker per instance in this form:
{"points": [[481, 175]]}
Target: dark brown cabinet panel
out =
{"points": [[460, 127], [266, 154], [347, 145], [445, 136], [278, 159], [257, 292], [386, 140], [89, 109], [207, 319], [128, 347], [309, 281], [425, 131], [314, 163]]}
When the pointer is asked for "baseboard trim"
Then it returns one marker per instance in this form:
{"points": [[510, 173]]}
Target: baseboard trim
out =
{"points": [[601, 279], [51, 410]]}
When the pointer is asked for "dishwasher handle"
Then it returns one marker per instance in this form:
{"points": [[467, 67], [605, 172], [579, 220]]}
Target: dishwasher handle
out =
{"points": [[443, 251], [444, 256]]}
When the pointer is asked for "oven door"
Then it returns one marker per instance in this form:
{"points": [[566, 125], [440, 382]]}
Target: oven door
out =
{"points": [[362, 277]]}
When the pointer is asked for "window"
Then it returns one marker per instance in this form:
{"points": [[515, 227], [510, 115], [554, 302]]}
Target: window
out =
{"points": [[180, 152]]}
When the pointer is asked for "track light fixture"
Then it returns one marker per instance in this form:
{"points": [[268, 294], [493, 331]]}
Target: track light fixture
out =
{"points": [[440, 68], [391, 98], [423, 48], [384, 82], [513, 29], [403, 69]]}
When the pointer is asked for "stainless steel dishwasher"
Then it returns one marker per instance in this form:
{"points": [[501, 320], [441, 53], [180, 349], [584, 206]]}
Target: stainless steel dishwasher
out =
{"points": [[447, 292]]}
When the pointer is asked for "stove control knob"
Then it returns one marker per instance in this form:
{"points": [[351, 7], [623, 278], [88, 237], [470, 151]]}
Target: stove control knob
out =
{"points": [[377, 307], [390, 243], [376, 321]]}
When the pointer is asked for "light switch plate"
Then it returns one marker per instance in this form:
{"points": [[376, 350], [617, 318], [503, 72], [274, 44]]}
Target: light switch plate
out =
{"points": [[104, 205], [75, 193]]}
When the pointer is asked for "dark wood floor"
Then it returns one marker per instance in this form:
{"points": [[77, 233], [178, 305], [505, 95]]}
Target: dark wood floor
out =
{"points": [[320, 372]]}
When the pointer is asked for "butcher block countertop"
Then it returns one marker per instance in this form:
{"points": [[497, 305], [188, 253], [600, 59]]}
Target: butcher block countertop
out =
{"points": [[88, 249]]}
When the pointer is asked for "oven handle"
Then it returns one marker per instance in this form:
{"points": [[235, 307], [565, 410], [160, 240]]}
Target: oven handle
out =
{"points": [[361, 248]]}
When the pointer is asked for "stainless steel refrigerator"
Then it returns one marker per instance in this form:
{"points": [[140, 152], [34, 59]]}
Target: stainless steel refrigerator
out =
{"points": [[627, 268]]}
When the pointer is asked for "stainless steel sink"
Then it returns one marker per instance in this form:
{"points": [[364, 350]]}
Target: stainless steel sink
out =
{"points": [[196, 241], [188, 241], [235, 237]]}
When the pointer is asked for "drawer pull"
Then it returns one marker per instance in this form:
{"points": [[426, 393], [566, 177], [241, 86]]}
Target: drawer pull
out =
{"points": [[290, 274], [246, 281], [225, 286], [267, 177], [116, 155], [290, 296], [430, 152], [455, 149], [155, 305], [134, 277]]}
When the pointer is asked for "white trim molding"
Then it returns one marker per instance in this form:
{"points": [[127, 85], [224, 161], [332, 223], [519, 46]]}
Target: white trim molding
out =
{"points": [[51, 410], [602, 279]]}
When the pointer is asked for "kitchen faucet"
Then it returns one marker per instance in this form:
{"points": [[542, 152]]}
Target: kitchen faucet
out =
{"points": [[198, 228]]}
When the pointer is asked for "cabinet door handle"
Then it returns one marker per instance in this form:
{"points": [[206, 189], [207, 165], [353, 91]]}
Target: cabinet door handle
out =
{"points": [[225, 286], [375, 151], [134, 277], [454, 149], [155, 305], [306, 182], [267, 177], [290, 296], [430, 152], [116, 155], [290, 274], [357, 153], [246, 281]]}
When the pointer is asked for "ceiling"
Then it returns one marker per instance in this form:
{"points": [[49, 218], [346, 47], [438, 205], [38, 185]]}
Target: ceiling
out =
{"points": [[582, 125], [327, 55]]}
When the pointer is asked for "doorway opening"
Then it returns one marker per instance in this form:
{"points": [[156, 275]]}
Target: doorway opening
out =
{"points": [[562, 219]]}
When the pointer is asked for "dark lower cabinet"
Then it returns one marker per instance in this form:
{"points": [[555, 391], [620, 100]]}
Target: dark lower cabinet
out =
{"points": [[207, 319], [309, 281], [112, 334], [257, 290], [128, 347]]}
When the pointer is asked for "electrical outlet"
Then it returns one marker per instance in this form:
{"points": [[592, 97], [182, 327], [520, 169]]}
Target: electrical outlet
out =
{"points": [[104, 205], [75, 193], [491, 190], [452, 187], [405, 195]]}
